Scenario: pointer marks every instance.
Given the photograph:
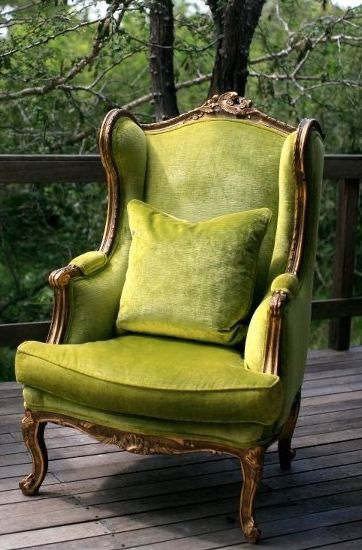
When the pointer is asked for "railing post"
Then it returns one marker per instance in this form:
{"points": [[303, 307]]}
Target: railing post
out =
{"points": [[344, 259]]}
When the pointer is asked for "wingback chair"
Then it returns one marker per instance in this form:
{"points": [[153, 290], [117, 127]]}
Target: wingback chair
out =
{"points": [[188, 329]]}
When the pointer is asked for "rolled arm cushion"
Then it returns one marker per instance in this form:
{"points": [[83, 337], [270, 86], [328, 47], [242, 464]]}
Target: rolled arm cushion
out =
{"points": [[94, 299], [294, 343], [287, 283], [90, 262], [296, 314]]}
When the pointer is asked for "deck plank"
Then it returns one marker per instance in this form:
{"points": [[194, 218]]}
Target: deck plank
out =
{"points": [[96, 496]]}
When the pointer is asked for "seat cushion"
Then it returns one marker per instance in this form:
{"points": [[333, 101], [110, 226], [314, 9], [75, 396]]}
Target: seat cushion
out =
{"points": [[153, 377], [234, 434], [191, 280]]}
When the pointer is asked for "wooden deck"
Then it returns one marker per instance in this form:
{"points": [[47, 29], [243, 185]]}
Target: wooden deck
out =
{"points": [[95, 496]]}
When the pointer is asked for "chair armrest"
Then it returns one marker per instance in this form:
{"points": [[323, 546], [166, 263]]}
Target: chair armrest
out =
{"points": [[287, 283], [86, 299], [90, 262], [294, 324], [285, 288]]}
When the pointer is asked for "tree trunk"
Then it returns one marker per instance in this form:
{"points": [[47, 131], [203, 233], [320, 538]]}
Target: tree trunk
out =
{"points": [[235, 23], [161, 59]]}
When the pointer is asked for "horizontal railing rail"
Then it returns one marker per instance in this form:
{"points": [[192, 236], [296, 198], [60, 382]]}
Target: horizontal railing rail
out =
{"points": [[13, 334], [39, 169], [346, 169]]}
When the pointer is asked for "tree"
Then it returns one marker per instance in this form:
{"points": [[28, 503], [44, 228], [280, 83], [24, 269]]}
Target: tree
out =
{"points": [[161, 59], [318, 60], [62, 66], [184, 49], [235, 22]]}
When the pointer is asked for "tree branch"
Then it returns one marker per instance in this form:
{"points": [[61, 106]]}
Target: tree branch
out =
{"points": [[48, 38], [104, 33], [148, 97]]}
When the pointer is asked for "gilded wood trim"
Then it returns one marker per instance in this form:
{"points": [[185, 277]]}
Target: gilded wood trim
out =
{"points": [[134, 442], [33, 435], [106, 156], [305, 128], [251, 459], [273, 343], [280, 298], [105, 151], [229, 104], [59, 281]]}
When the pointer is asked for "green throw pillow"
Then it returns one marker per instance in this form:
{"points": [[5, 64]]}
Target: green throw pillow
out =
{"points": [[191, 280]]}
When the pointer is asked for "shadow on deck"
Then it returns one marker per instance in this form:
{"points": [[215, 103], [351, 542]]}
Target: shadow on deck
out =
{"points": [[96, 496]]}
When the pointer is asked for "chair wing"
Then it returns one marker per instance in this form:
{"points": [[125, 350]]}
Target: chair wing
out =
{"points": [[149, 393]]}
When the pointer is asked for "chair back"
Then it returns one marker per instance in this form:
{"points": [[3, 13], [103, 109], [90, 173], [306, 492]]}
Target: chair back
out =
{"points": [[211, 162]]}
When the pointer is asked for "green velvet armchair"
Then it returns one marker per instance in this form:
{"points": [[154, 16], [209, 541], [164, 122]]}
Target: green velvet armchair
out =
{"points": [[188, 329]]}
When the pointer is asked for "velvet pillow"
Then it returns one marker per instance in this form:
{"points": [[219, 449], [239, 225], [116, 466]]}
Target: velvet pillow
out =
{"points": [[191, 280]]}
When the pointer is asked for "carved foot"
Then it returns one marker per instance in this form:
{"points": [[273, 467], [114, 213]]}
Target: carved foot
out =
{"points": [[286, 453], [252, 468], [33, 434], [251, 532]]}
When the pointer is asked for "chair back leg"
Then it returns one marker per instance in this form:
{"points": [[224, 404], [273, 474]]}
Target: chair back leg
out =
{"points": [[286, 453]]}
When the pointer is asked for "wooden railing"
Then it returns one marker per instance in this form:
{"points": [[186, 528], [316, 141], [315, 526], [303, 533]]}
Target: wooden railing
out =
{"points": [[346, 170]]}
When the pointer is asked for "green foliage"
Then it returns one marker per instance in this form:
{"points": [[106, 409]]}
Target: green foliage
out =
{"points": [[324, 44], [46, 44], [62, 69], [7, 372], [41, 229]]}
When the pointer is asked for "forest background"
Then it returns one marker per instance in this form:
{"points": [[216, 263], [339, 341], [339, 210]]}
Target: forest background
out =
{"points": [[63, 65]]}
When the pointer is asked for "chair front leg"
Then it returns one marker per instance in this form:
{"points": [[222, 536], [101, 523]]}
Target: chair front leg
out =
{"points": [[33, 434], [252, 467]]}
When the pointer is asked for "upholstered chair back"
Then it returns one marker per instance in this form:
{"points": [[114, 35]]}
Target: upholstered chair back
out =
{"points": [[204, 168], [196, 168]]}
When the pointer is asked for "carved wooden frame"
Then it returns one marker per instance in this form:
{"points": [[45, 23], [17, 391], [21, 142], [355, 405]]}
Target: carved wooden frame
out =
{"points": [[251, 459], [223, 106], [280, 298]]}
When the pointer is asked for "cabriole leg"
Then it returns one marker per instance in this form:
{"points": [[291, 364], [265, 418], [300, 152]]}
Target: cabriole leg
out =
{"points": [[252, 468], [286, 453], [33, 434]]}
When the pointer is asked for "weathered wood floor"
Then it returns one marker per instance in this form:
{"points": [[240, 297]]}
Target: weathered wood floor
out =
{"points": [[98, 497]]}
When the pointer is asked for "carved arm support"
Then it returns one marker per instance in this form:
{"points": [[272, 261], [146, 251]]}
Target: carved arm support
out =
{"points": [[263, 342], [283, 289], [285, 286], [60, 280]]}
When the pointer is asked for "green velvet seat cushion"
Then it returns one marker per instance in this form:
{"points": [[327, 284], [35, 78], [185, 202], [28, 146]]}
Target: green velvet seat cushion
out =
{"points": [[234, 434], [191, 280], [153, 377]]}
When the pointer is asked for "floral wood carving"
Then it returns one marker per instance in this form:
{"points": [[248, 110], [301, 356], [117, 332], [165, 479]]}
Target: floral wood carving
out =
{"points": [[136, 443], [230, 103], [61, 277], [59, 280], [251, 459], [132, 442], [278, 300]]}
